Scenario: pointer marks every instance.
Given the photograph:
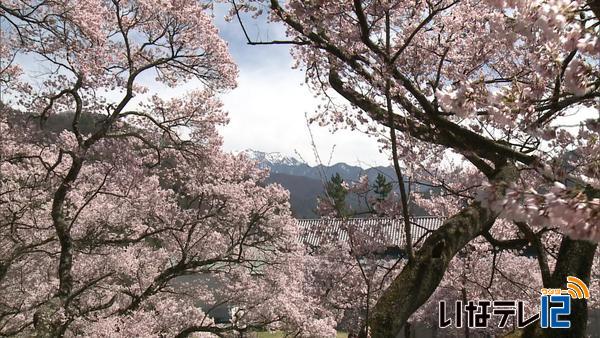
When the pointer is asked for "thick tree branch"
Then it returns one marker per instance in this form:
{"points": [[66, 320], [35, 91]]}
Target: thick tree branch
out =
{"points": [[418, 280], [536, 241]]}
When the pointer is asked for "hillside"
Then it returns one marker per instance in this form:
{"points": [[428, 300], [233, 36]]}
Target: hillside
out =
{"points": [[306, 183]]}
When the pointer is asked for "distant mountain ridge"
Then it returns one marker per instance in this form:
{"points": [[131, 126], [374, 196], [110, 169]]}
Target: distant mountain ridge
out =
{"points": [[289, 165], [272, 158], [305, 183]]}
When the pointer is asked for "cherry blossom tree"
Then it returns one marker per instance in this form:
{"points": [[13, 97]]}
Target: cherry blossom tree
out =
{"points": [[349, 273], [483, 272], [120, 215], [507, 90]]}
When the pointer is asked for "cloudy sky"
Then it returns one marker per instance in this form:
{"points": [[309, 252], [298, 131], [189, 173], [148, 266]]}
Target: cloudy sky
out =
{"points": [[268, 108]]}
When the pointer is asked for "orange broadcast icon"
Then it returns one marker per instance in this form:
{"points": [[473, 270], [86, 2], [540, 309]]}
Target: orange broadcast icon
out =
{"points": [[576, 288]]}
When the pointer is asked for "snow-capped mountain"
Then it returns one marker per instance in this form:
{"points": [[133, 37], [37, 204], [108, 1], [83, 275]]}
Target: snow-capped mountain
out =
{"points": [[279, 163], [306, 182], [272, 158]]}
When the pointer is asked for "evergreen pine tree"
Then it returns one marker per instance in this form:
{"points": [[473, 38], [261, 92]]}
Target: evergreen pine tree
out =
{"points": [[337, 193], [382, 187]]}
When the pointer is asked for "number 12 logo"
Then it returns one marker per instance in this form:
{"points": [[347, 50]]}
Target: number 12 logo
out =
{"points": [[550, 314]]}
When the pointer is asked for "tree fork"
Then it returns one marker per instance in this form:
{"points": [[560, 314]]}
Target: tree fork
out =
{"points": [[419, 278], [575, 258]]}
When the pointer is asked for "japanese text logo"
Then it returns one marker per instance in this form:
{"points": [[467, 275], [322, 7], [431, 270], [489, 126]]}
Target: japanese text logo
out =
{"points": [[555, 306]]}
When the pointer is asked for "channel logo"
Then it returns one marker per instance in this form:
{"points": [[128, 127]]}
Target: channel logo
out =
{"points": [[555, 307], [555, 304], [577, 289]]}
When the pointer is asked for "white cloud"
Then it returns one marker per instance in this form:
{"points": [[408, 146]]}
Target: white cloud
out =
{"points": [[268, 108], [267, 113]]}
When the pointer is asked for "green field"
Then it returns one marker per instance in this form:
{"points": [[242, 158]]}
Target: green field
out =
{"points": [[278, 334]]}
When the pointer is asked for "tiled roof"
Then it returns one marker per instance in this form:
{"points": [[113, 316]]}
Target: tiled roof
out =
{"points": [[387, 230]]}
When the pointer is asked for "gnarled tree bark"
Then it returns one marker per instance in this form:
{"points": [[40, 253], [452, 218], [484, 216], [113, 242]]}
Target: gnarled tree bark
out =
{"points": [[419, 278], [575, 258]]}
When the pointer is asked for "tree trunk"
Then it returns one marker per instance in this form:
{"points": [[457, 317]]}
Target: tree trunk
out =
{"points": [[407, 330], [419, 279], [47, 319], [574, 259]]}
